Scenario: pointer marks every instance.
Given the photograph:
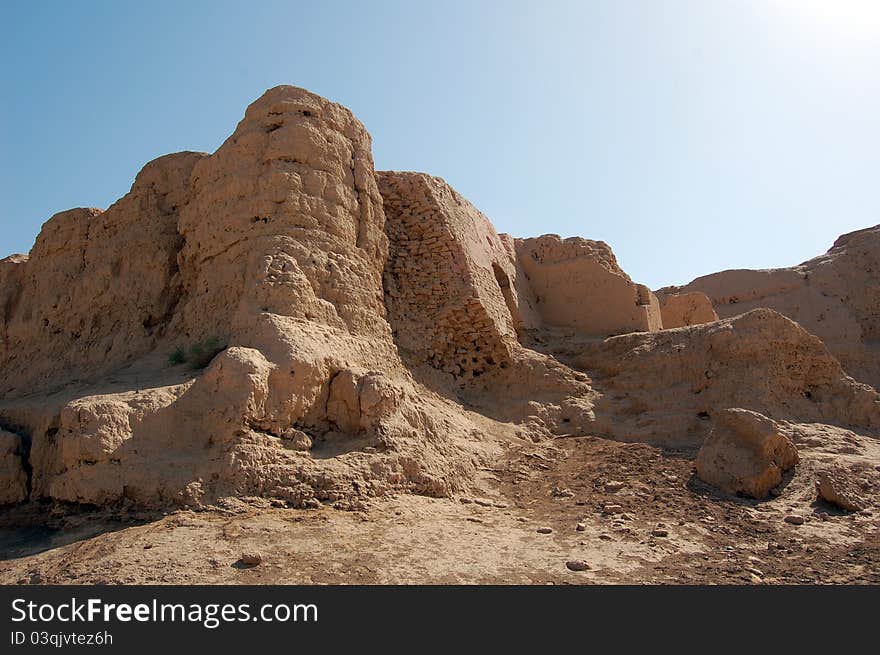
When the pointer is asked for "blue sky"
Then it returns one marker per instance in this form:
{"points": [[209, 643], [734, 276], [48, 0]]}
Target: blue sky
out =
{"points": [[692, 136]]}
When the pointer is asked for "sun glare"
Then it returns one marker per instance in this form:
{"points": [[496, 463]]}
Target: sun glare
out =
{"points": [[845, 18]]}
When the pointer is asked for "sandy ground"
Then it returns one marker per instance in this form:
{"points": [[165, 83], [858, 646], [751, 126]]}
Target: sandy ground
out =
{"points": [[657, 524]]}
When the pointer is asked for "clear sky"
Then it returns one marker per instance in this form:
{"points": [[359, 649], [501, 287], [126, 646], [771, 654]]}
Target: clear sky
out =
{"points": [[693, 136]]}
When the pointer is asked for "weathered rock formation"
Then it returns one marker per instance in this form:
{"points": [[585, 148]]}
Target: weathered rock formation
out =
{"points": [[667, 386], [337, 333], [835, 296], [836, 486], [745, 453]]}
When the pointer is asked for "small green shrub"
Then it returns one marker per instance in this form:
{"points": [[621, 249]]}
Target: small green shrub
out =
{"points": [[177, 356], [201, 353]]}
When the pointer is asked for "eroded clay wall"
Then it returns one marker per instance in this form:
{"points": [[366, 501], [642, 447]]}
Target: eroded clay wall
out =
{"points": [[577, 283], [99, 287], [449, 280], [682, 309], [835, 296]]}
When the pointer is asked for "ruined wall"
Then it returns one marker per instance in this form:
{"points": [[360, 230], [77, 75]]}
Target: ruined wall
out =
{"points": [[681, 309], [275, 245], [667, 386], [98, 288], [577, 283], [278, 244], [286, 219], [835, 296], [450, 280]]}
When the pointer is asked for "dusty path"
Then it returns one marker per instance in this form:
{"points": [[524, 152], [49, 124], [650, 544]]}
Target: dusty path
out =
{"points": [[491, 538]]}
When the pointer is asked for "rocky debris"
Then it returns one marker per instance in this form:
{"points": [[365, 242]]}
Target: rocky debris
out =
{"points": [[612, 509], [614, 486], [577, 565], [581, 527], [837, 487], [745, 453], [682, 309], [251, 558], [577, 283], [544, 530], [666, 387], [561, 492], [794, 519], [835, 296], [13, 478], [297, 439], [660, 532]]}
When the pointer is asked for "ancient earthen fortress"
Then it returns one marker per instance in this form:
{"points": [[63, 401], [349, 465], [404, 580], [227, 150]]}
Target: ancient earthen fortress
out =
{"points": [[370, 332]]}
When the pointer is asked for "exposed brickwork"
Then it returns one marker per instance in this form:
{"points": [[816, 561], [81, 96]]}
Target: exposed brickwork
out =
{"points": [[444, 277]]}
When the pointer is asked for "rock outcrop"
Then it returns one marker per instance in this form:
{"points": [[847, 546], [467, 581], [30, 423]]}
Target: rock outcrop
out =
{"points": [[837, 487], [835, 296], [278, 319], [745, 453]]}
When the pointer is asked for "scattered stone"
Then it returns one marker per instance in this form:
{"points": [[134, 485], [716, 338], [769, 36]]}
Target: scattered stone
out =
{"points": [[612, 509], [837, 488], [559, 492], [251, 559], [823, 516], [605, 537], [614, 486], [297, 439], [544, 530], [581, 527], [660, 532], [745, 453], [577, 565], [794, 519]]}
